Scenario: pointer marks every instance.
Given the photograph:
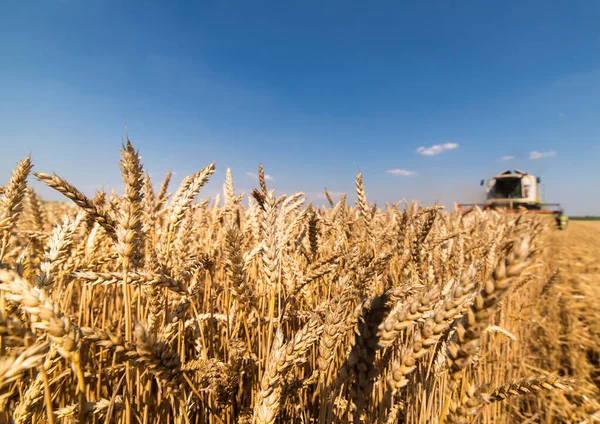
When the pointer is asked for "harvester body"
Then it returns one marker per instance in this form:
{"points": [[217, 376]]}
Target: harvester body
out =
{"points": [[517, 192], [511, 190]]}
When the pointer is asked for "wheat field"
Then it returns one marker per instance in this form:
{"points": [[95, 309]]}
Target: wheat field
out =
{"points": [[154, 307]]}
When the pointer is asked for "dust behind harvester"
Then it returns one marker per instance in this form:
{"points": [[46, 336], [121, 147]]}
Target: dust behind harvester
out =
{"points": [[517, 192]]}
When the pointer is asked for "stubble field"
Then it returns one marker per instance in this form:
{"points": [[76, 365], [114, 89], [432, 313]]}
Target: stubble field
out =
{"points": [[151, 307]]}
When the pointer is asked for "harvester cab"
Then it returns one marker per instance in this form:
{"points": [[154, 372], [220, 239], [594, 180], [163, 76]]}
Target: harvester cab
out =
{"points": [[517, 192]]}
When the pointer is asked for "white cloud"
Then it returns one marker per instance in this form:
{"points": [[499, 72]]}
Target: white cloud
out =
{"points": [[436, 149], [401, 172], [510, 157], [254, 176], [333, 194], [539, 155]]}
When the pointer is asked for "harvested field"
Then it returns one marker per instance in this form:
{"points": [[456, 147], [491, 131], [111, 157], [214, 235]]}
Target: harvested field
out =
{"points": [[151, 307]]}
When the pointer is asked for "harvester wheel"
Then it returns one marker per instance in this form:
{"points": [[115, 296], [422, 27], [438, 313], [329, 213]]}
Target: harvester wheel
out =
{"points": [[562, 221]]}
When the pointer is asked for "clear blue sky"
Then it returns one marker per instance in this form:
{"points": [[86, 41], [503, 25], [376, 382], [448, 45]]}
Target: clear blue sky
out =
{"points": [[314, 90]]}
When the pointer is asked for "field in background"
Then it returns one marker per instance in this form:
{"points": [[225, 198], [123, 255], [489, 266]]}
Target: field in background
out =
{"points": [[577, 293], [154, 307]]}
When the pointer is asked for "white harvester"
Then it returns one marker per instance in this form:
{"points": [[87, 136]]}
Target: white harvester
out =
{"points": [[518, 192]]}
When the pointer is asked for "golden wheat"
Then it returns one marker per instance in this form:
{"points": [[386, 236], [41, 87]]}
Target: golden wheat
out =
{"points": [[149, 307]]}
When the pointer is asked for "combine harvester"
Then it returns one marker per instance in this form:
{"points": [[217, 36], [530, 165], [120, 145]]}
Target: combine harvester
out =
{"points": [[517, 192]]}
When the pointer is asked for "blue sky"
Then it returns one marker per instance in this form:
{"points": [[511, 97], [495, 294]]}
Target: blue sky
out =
{"points": [[314, 90]]}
